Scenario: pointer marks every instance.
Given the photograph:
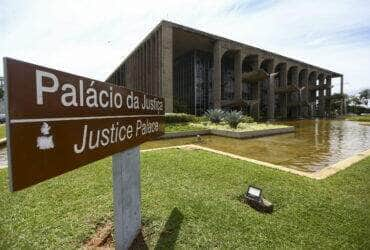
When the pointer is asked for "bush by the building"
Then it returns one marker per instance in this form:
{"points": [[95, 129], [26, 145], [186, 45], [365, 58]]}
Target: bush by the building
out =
{"points": [[215, 115], [179, 118], [233, 118]]}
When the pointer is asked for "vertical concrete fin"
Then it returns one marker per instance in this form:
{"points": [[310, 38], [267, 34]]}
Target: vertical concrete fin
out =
{"points": [[217, 55], [238, 76], [167, 67]]}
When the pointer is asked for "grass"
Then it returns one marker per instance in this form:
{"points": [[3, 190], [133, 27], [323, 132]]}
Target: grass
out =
{"points": [[190, 199], [358, 118], [176, 127], [2, 131]]}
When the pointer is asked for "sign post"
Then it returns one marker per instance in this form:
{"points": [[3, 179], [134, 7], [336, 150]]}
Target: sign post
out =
{"points": [[58, 122], [126, 196]]}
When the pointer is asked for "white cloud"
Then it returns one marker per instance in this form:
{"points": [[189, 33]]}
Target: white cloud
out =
{"points": [[91, 38]]}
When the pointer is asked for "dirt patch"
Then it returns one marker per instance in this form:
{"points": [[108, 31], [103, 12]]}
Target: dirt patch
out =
{"points": [[102, 239], [139, 242]]}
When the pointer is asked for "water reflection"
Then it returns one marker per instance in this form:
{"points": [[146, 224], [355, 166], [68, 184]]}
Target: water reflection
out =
{"points": [[314, 145]]}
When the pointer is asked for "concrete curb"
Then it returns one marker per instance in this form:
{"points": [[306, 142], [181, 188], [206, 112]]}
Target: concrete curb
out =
{"points": [[229, 133], [171, 135], [319, 175], [3, 142], [252, 134], [343, 164], [262, 163]]}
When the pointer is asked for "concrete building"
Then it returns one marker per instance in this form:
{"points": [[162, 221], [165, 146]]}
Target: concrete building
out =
{"points": [[195, 71], [2, 102], [2, 81]]}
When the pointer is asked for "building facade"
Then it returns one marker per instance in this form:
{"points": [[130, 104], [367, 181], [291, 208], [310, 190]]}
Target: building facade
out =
{"points": [[2, 81], [195, 71], [2, 102]]}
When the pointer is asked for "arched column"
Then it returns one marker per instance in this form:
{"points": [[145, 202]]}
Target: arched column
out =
{"points": [[312, 77], [250, 89], [292, 95], [328, 95], [344, 105], [238, 75], [218, 51], [271, 98], [303, 95], [281, 83], [228, 77], [321, 79], [265, 97]]}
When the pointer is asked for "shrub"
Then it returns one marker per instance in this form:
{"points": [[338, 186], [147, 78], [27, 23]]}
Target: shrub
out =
{"points": [[247, 119], [201, 119], [179, 118], [179, 106], [233, 118], [215, 115]]}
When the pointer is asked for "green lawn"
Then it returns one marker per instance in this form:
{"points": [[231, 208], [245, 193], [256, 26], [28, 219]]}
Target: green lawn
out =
{"points": [[2, 131], [177, 127], [190, 199], [358, 118]]}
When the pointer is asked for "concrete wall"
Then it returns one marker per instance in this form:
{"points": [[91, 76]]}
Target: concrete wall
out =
{"points": [[141, 70]]}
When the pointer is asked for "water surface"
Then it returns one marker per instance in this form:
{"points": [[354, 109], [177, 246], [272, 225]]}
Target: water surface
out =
{"points": [[314, 145]]}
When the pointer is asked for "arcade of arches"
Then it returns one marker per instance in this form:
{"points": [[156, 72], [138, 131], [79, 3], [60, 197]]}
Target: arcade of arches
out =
{"points": [[271, 90]]}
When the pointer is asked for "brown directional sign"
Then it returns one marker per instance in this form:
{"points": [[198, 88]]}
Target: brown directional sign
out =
{"points": [[58, 121]]}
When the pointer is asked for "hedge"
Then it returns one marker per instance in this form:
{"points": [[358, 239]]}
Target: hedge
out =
{"points": [[179, 118]]}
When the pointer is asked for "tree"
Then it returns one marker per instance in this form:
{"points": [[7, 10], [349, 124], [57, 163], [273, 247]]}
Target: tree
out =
{"points": [[364, 96], [336, 101], [354, 101]]}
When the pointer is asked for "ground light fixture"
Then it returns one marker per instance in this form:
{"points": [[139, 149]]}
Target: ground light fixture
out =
{"points": [[253, 197]]}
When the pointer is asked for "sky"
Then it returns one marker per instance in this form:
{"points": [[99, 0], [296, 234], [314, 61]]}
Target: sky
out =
{"points": [[90, 38]]}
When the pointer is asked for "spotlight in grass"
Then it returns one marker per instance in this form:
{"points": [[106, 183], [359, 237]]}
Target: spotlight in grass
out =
{"points": [[254, 198], [254, 193]]}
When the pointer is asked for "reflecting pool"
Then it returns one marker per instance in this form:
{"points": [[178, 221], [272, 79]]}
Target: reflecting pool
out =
{"points": [[314, 145]]}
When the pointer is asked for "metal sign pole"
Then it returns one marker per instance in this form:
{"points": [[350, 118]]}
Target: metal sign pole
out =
{"points": [[126, 197]]}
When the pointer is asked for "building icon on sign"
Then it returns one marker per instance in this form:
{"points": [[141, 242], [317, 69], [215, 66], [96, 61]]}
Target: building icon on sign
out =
{"points": [[45, 141]]}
